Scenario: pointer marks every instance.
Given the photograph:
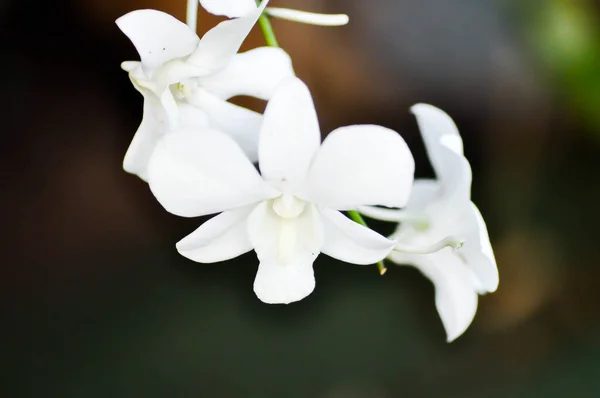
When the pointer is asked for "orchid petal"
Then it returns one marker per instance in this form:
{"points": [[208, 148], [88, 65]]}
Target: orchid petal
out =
{"points": [[286, 249], [170, 109], [229, 8], [191, 117], [218, 46], [144, 141], [477, 251], [351, 242], [290, 135], [151, 130], [255, 73], [438, 129], [456, 181], [361, 165], [154, 125], [194, 173], [424, 192], [242, 124], [221, 238], [455, 295], [157, 36], [445, 148], [129, 66]]}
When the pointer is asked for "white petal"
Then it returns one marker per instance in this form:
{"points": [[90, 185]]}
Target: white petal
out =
{"points": [[361, 165], [221, 238], [255, 73], [221, 43], [157, 36], [477, 251], [437, 128], [456, 180], [171, 110], [145, 139], [351, 242], [455, 295], [242, 124], [445, 148], [191, 117], [154, 126], [286, 249], [194, 173], [290, 135], [229, 8], [129, 66], [424, 193]]}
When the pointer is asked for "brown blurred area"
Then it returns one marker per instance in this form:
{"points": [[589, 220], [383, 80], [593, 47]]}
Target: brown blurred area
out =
{"points": [[98, 303]]}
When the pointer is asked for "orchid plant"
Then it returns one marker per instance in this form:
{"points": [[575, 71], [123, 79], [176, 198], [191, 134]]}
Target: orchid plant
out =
{"points": [[196, 151]]}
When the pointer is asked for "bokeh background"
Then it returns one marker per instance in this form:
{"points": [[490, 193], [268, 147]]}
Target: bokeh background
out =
{"points": [[96, 302]]}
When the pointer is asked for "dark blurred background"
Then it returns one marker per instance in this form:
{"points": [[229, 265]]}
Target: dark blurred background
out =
{"points": [[96, 302]]}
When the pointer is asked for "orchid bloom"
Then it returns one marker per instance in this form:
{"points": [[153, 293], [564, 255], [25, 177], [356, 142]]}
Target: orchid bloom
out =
{"points": [[239, 8], [442, 208], [186, 81], [290, 212]]}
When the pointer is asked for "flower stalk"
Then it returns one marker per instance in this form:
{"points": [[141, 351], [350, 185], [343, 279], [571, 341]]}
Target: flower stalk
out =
{"points": [[267, 29]]}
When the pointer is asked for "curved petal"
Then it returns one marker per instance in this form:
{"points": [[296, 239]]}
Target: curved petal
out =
{"points": [[351, 242], [221, 43], [255, 73], [130, 66], [455, 295], [438, 129], [154, 124], [456, 181], [194, 173], [477, 251], [361, 165], [424, 192], [221, 238], [445, 148], [242, 124], [290, 135], [229, 8], [157, 36], [286, 249], [171, 110], [152, 127]]}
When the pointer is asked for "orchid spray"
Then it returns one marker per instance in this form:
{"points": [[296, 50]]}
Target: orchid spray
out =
{"points": [[196, 150]]}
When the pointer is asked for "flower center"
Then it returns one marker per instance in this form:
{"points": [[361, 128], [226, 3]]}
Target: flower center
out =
{"points": [[288, 206], [183, 90]]}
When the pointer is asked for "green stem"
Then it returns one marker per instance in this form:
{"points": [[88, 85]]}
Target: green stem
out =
{"points": [[356, 217], [271, 40], [267, 30]]}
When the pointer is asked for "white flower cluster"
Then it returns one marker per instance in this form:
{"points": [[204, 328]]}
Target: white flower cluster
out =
{"points": [[196, 151]]}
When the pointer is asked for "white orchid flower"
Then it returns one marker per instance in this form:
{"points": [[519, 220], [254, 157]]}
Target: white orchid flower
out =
{"points": [[442, 208], [238, 8], [186, 81], [290, 212]]}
